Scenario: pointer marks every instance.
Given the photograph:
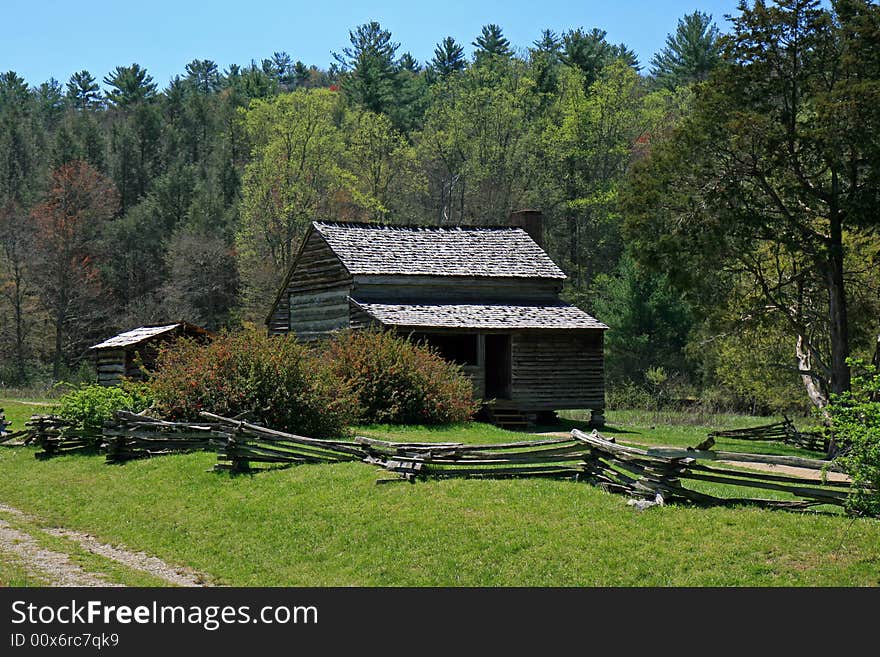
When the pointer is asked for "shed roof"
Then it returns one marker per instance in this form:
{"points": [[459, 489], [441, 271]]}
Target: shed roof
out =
{"points": [[143, 333], [498, 252], [481, 316]]}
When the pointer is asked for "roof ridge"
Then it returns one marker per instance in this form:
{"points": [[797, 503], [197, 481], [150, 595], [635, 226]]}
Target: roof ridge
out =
{"points": [[413, 227]]}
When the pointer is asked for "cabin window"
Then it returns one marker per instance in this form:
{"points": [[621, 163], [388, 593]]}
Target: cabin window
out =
{"points": [[459, 348]]}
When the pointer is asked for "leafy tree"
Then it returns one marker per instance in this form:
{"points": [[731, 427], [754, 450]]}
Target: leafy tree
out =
{"points": [[293, 178], [855, 418], [382, 163], [49, 97], [690, 54], [774, 173], [549, 42], [22, 166], [67, 222], [476, 143], [302, 75], [491, 43], [135, 151], [448, 58], [83, 91], [129, 85], [16, 245], [203, 279], [371, 76], [588, 149]]}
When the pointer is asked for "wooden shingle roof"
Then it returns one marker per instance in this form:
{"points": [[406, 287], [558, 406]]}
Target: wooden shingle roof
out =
{"points": [[144, 333], [481, 316], [502, 252]]}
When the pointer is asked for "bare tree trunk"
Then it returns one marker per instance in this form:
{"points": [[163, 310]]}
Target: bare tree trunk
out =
{"points": [[814, 389]]}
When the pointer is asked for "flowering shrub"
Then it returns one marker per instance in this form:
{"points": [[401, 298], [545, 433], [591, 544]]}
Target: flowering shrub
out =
{"points": [[278, 381], [92, 405], [399, 382]]}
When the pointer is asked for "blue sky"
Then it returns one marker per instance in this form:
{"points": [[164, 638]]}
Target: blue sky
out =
{"points": [[54, 38]]}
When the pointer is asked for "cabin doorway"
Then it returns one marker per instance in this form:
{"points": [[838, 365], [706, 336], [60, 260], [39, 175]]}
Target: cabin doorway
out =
{"points": [[498, 366]]}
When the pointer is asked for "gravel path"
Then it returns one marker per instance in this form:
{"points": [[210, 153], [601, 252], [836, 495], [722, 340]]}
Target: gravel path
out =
{"points": [[58, 570], [54, 567]]}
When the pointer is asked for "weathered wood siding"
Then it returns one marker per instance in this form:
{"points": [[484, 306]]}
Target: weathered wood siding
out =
{"points": [[111, 366], [558, 370], [476, 374], [443, 289], [316, 300]]}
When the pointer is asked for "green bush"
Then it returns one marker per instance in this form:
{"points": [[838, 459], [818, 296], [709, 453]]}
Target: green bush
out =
{"points": [[855, 421], [92, 405], [399, 382], [277, 381]]}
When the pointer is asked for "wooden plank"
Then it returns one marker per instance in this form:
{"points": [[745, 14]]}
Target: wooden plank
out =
{"points": [[832, 496], [770, 477], [795, 461]]}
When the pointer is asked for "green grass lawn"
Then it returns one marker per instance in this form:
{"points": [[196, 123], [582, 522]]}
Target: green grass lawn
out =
{"points": [[19, 411], [331, 525]]}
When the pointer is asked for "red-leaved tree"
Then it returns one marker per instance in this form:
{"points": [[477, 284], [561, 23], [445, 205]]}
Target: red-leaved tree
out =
{"points": [[67, 227]]}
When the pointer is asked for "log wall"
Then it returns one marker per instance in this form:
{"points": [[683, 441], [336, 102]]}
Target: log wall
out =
{"points": [[111, 366], [558, 370], [316, 297]]}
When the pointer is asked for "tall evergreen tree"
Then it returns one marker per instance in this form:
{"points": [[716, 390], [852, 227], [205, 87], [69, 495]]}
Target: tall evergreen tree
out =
{"points": [[448, 58], [408, 63], [203, 76], [690, 53], [83, 92], [368, 63], [491, 43], [129, 85]]}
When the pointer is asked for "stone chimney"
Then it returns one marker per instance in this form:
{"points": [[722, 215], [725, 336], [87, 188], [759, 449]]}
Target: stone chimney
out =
{"points": [[531, 221]]}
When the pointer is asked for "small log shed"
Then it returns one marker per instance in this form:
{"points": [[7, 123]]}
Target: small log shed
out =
{"points": [[485, 297], [123, 355]]}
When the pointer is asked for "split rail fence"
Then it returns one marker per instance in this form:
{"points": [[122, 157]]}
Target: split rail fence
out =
{"points": [[784, 431], [652, 475]]}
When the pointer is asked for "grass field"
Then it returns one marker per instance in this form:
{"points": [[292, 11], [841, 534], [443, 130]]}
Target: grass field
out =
{"points": [[331, 525]]}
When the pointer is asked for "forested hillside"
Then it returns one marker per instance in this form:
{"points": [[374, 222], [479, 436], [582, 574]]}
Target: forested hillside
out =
{"points": [[716, 206]]}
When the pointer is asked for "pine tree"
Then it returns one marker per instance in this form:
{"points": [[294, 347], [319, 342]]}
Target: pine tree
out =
{"points": [[448, 58], [370, 75], [129, 85], [690, 54], [203, 75], [83, 92], [491, 43]]}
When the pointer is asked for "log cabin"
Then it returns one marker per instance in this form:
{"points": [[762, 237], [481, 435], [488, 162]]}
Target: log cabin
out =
{"points": [[486, 298], [124, 355]]}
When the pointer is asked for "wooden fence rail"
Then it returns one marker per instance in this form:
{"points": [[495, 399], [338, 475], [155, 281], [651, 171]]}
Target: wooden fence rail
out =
{"points": [[784, 431], [243, 443], [134, 436], [650, 476], [56, 436]]}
